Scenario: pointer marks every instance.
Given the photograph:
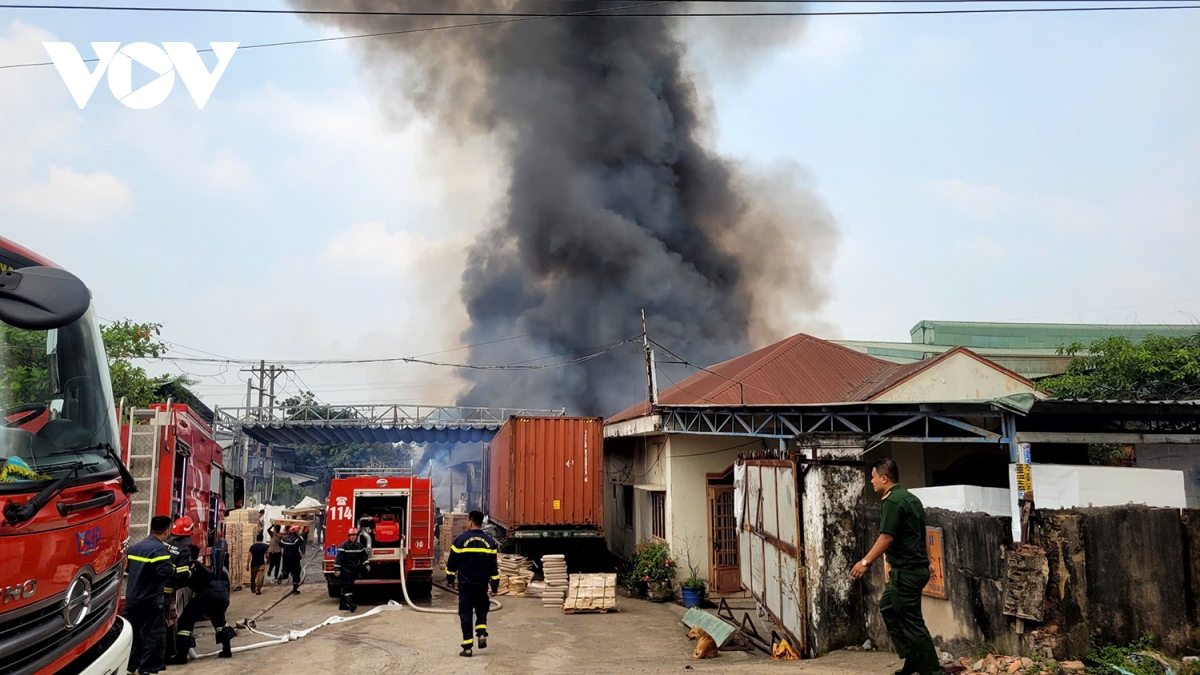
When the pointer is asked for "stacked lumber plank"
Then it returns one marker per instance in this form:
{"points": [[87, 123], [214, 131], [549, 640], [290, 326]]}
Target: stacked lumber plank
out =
{"points": [[515, 574], [240, 533], [591, 593], [554, 570], [453, 524]]}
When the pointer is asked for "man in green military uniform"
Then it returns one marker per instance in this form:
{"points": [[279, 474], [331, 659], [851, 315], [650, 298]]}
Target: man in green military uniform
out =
{"points": [[902, 536]]}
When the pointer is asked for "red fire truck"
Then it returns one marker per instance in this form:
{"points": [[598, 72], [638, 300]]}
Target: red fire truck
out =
{"points": [[397, 509], [171, 453], [65, 494]]}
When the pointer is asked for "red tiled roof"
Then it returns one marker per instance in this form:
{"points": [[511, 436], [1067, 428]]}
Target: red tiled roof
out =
{"points": [[800, 370]]}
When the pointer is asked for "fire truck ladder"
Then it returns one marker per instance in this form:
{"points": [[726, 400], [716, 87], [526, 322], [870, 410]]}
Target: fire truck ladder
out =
{"points": [[145, 430]]}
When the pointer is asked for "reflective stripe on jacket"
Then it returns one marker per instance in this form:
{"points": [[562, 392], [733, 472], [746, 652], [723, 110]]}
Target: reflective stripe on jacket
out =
{"points": [[150, 568], [473, 559]]}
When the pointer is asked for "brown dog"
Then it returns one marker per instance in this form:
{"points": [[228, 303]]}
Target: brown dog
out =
{"points": [[706, 647]]}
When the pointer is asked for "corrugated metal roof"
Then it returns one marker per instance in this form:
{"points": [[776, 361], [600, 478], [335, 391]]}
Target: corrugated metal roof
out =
{"points": [[797, 371], [995, 335]]}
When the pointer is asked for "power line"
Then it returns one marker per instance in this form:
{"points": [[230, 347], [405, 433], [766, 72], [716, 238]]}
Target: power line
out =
{"points": [[604, 13], [391, 33], [519, 365]]}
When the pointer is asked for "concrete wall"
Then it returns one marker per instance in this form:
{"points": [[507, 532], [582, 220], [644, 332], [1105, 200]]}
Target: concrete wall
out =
{"points": [[1115, 572], [973, 545], [618, 472], [959, 377], [831, 508], [1184, 458]]}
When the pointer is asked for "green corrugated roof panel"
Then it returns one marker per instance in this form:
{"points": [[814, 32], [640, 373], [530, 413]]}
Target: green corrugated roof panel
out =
{"points": [[1031, 335]]}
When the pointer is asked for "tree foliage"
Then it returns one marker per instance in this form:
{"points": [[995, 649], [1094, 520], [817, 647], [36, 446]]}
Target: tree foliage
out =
{"points": [[1159, 368], [125, 341]]}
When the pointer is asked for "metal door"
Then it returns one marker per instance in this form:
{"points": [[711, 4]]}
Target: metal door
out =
{"points": [[724, 575]]}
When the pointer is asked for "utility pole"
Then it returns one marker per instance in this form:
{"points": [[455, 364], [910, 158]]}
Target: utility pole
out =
{"points": [[651, 375]]}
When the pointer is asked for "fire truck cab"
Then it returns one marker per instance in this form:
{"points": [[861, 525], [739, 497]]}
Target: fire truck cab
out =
{"points": [[64, 492], [393, 511]]}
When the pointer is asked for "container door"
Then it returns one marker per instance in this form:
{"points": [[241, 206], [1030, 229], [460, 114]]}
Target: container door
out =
{"points": [[724, 573]]}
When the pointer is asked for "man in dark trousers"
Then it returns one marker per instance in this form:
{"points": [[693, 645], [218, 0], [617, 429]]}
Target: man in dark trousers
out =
{"points": [[351, 560], [902, 536], [293, 555], [149, 566], [257, 564], [210, 596], [473, 567]]}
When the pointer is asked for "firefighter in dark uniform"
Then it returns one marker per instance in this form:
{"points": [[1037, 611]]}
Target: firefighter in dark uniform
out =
{"points": [[352, 558], [210, 596], [179, 544], [150, 569], [293, 554], [902, 536], [473, 567]]}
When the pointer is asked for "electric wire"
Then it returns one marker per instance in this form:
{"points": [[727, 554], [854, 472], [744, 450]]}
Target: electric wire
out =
{"points": [[608, 13]]}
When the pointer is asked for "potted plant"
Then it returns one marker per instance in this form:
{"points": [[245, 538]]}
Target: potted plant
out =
{"points": [[653, 569], [693, 591]]}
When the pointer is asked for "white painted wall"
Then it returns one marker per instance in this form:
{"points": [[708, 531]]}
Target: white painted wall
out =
{"points": [[966, 499], [1063, 486], [959, 377], [690, 460], [1180, 457]]}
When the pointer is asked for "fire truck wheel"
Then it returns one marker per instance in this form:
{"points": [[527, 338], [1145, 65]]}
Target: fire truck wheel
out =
{"points": [[335, 590]]}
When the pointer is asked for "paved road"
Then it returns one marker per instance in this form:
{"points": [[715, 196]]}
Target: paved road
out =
{"points": [[525, 638]]}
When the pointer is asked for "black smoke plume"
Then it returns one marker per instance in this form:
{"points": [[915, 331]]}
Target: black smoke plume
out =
{"points": [[616, 201]]}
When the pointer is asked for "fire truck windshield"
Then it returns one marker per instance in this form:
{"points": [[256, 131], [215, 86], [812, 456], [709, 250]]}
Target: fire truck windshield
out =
{"points": [[56, 406]]}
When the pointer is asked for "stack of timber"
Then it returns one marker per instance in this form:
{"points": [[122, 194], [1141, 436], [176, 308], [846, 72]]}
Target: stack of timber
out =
{"points": [[595, 593], [240, 532], [515, 574], [453, 524], [554, 569]]}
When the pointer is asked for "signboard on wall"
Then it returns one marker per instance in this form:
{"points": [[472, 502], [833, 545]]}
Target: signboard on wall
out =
{"points": [[936, 588]]}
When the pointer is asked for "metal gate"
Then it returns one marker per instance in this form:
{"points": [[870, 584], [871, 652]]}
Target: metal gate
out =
{"points": [[770, 544]]}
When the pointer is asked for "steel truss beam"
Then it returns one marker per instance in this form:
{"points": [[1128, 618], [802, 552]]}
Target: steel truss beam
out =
{"points": [[793, 423], [374, 415]]}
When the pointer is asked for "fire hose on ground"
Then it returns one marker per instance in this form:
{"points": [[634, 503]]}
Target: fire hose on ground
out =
{"points": [[293, 635]]}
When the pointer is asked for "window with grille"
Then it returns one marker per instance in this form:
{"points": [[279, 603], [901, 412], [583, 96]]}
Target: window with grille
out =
{"points": [[658, 514]]}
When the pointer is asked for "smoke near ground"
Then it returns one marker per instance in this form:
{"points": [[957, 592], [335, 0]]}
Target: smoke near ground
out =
{"points": [[616, 201]]}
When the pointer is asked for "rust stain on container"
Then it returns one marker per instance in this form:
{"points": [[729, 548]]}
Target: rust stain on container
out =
{"points": [[546, 472]]}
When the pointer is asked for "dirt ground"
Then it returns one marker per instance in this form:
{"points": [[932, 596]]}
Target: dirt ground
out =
{"points": [[643, 637]]}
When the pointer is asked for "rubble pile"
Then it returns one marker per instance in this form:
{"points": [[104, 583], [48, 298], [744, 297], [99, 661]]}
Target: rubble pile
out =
{"points": [[995, 664]]}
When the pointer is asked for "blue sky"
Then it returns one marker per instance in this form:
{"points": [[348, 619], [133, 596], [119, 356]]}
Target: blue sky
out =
{"points": [[1024, 167]]}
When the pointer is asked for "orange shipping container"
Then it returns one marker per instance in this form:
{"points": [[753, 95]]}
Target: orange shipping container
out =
{"points": [[546, 472]]}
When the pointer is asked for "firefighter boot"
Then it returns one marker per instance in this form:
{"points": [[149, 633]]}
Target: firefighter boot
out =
{"points": [[481, 638], [183, 642], [295, 588], [223, 637]]}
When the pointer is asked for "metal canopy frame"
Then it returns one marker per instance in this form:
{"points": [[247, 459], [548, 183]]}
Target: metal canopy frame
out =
{"points": [[1073, 422]]}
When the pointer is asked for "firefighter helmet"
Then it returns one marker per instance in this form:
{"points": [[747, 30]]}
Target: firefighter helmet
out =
{"points": [[353, 532], [183, 527]]}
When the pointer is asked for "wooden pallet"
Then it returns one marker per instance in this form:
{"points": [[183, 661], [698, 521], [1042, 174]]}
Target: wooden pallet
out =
{"points": [[591, 594]]}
